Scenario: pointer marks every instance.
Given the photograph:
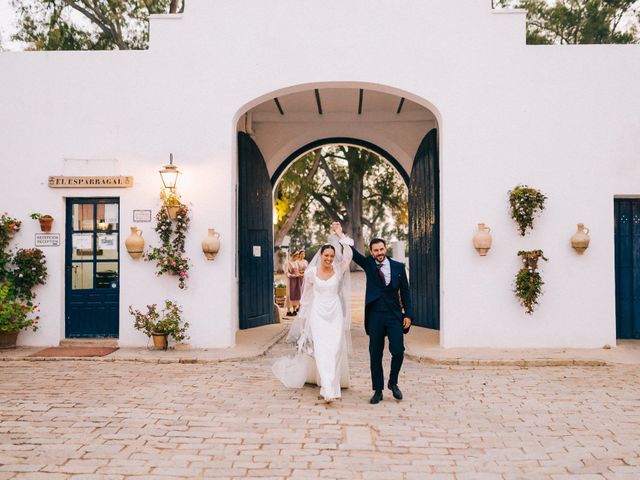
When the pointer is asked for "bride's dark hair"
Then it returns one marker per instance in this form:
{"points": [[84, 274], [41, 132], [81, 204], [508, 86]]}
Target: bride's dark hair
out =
{"points": [[327, 247]]}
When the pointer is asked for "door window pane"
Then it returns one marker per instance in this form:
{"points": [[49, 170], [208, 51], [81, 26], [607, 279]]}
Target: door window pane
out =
{"points": [[81, 276], [82, 246], [107, 275], [107, 216], [107, 246], [83, 217]]}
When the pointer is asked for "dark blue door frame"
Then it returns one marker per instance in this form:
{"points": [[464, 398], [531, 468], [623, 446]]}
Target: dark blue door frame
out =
{"points": [[92, 268], [627, 267]]}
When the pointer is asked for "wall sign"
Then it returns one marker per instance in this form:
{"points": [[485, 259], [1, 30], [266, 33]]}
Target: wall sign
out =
{"points": [[142, 216], [91, 182], [47, 240]]}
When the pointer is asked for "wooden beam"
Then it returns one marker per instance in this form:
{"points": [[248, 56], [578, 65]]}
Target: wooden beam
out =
{"points": [[360, 101], [278, 105], [317, 92], [400, 106]]}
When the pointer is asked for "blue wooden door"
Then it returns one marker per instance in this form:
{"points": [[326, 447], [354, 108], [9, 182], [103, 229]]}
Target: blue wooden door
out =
{"points": [[92, 286], [255, 236], [424, 233], [627, 254]]}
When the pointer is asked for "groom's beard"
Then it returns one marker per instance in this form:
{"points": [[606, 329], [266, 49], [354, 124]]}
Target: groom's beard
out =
{"points": [[380, 258]]}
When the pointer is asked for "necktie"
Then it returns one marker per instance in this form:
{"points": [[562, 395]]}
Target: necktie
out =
{"points": [[381, 274]]}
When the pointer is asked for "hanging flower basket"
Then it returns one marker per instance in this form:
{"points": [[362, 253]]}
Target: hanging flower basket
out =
{"points": [[528, 282], [526, 204]]}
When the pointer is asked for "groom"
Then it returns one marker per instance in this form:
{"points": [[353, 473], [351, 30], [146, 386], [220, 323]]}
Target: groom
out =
{"points": [[387, 312]]}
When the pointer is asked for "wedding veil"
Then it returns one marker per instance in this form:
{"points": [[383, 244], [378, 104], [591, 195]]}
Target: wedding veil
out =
{"points": [[299, 329]]}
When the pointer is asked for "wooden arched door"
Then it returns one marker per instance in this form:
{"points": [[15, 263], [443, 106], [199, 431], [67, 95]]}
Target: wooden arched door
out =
{"points": [[255, 236], [424, 233]]}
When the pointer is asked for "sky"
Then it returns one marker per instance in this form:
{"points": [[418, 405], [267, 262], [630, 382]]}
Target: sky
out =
{"points": [[7, 26]]}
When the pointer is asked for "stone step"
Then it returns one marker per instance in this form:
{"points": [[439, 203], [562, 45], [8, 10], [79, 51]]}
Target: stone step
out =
{"points": [[89, 342]]}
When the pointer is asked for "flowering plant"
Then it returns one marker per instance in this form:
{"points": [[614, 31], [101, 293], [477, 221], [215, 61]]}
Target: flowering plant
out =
{"points": [[8, 227], [169, 257], [526, 203], [16, 314], [168, 322], [528, 283], [30, 270]]}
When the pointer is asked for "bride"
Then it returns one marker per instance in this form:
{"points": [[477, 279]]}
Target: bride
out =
{"points": [[322, 328]]}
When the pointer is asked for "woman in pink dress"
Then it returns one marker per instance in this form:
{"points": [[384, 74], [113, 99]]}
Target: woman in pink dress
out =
{"points": [[295, 285]]}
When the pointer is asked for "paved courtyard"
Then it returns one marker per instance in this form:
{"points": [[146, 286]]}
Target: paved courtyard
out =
{"points": [[86, 420]]}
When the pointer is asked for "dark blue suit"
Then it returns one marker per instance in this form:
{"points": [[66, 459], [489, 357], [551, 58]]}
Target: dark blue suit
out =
{"points": [[383, 316]]}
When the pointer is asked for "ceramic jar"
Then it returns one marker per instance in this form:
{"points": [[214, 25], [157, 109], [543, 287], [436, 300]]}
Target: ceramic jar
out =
{"points": [[135, 243], [580, 240], [211, 244], [482, 239]]}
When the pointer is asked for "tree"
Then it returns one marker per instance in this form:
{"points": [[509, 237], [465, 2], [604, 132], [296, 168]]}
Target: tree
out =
{"points": [[87, 24], [579, 21], [340, 183]]}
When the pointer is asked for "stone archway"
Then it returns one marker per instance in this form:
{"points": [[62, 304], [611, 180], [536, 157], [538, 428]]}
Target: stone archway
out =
{"points": [[265, 133]]}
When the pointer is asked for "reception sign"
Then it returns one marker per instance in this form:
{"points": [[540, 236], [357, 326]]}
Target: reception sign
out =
{"points": [[91, 182]]}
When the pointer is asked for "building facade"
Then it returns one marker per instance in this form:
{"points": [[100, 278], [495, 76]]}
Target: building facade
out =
{"points": [[563, 119]]}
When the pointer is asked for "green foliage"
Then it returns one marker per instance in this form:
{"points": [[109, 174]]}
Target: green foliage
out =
{"points": [[169, 257], [526, 203], [168, 322], [30, 270], [578, 21], [528, 283], [353, 186], [86, 24], [22, 269], [16, 314]]}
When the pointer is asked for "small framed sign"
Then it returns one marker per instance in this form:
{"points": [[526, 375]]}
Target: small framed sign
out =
{"points": [[47, 240], [140, 216]]}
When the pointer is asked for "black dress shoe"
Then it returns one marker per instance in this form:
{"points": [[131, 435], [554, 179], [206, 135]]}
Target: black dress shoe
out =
{"points": [[377, 397], [397, 394]]}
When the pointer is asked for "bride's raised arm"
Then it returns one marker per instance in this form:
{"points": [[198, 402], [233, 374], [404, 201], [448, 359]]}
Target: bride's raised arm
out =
{"points": [[347, 253]]}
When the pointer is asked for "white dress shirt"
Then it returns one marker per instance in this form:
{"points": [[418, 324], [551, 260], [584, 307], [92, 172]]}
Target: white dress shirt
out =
{"points": [[386, 270]]}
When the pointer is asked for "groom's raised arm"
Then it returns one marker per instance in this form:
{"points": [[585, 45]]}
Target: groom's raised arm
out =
{"points": [[358, 257]]}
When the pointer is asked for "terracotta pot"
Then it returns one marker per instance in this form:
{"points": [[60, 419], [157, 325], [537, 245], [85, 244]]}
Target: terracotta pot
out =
{"points": [[172, 210], [482, 239], [211, 244], [135, 243], [46, 221], [8, 340], [580, 240], [160, 341], [281, 292]]}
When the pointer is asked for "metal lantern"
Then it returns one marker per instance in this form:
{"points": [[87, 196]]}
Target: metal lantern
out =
{"points": [[169, 174]]}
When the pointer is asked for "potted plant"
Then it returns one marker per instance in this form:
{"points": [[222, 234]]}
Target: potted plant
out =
{"points": [[9, 226], [45, 221], [171, 202], [526, 204], [160, 325], [15, 315], [281, 293], [528, 282]]}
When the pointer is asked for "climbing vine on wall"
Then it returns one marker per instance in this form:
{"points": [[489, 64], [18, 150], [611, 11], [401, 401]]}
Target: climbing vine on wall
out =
{"points": [[169, 257]]}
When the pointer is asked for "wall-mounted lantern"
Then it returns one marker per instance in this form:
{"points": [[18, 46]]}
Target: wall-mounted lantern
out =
{"points": [[169, 174]]}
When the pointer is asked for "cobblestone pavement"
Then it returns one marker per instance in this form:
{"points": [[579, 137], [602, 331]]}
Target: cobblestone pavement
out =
{"points": [[89, 420]]}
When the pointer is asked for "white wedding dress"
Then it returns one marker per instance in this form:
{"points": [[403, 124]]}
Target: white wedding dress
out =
{"points": [[322, 329], [330, 370]]}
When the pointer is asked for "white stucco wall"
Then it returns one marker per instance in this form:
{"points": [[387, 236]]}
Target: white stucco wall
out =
{"points": [[562, 119]]}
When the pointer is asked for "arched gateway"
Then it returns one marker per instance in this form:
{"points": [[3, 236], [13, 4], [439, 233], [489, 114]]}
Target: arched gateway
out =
{"points": [[381, 118]]}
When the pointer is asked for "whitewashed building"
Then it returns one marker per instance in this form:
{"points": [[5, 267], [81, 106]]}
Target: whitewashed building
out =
{"points": [[563, 119]]}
